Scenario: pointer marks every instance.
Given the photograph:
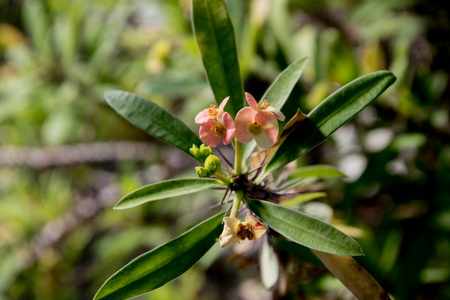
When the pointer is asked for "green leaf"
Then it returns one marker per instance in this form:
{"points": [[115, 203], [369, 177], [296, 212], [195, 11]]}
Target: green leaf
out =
{"points": [[298, 251], [279, 91], [162, 264], [330, 115], [303, 198], [305, 230], [217, 45], [165, 189], [321, 171], [151, 118]]}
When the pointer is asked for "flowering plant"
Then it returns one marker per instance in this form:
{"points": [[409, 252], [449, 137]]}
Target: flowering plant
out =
{"points": [[259, 128]]}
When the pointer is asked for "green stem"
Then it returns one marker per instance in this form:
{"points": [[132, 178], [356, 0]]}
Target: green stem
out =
{"points": [[236, 203], [223, 178], [238, 158]]}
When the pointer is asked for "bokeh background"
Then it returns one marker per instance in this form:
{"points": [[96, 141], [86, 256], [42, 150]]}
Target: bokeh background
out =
{"points": [[66, 157]]}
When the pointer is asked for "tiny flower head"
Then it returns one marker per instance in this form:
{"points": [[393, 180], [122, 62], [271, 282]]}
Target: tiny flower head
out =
{"points": [[259, 122], [235, 231], [215, 124], [212, 130], [264, 106], [211, 113]]}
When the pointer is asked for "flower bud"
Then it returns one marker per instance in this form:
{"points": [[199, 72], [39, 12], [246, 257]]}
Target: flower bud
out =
{"points": [[202, 172], [205, 150], [195, 151], [213, 163]]}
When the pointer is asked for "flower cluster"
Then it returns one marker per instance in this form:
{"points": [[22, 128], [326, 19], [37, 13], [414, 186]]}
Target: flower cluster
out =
{"points": [[259, 122]]}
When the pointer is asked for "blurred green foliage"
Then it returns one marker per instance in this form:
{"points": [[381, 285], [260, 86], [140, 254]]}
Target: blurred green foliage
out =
{"points": [[60, 238]]}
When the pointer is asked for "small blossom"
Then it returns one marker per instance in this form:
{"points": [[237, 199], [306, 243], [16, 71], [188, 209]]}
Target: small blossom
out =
{"points": [[258, 122], [211, 113], [235, 231], [215, 124], [264, 106]]}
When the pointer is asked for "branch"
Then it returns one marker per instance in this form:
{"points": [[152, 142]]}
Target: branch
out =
{"points": [[74, 154]]}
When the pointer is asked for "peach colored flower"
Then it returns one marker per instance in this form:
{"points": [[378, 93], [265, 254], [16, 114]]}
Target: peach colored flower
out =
{"points": [[215, 124], [258, 122], [235, 231]]}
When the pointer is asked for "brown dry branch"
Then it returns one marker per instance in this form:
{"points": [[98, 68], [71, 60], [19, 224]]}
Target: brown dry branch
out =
{"points": [[46, 157]]}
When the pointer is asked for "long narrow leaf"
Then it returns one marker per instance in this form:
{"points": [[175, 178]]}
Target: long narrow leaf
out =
{"points": [[217, 44], [321, 171], [151, 118], [330, 115], [163, 264], [279, 91], [305, 230], [165, 189], [303, 198]]}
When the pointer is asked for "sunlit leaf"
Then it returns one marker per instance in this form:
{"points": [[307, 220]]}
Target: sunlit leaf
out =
{"points": [[330, 115], [162, 264], [151, 118], [280, 90], [165, 189], [216, 41], [321, 171], [353, 276], [304, 198], [305, 230]]}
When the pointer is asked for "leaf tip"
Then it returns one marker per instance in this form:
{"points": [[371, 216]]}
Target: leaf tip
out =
{"points": [[110, 95], [119, 206]]}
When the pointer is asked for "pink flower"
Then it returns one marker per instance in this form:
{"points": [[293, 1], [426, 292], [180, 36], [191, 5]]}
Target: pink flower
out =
{"points": [[258, 122], [215, 124]]}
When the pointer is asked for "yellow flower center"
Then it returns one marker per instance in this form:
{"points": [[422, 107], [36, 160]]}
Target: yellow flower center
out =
{"points": [[264, 105], [218, 130], [255, 128], [213, 111]]}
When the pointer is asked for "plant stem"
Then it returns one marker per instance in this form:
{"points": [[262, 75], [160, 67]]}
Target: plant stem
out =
{"points": [[236, 203], [223, 178], [238, 158]]}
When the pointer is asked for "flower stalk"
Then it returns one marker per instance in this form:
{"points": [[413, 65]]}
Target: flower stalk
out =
{"points": [[236, 203]]}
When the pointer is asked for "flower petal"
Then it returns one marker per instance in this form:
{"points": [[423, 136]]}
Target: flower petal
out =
{"points": [[268, 136], [258, 227], [243, 118], [229, 125], [207, 135], [251, 101], [277, 113], [223, 103], [228, 236], [227, 121], [202, 117]]}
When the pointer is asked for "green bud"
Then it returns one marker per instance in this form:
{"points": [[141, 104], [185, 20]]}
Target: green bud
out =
{"points": [[202, 172], [196, 153], [213, 163], [205, 150]]}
